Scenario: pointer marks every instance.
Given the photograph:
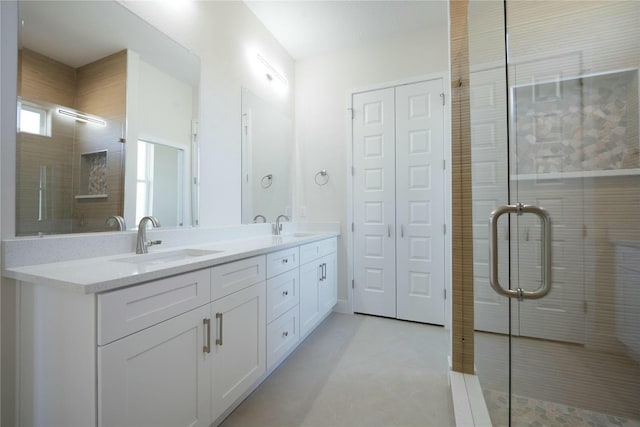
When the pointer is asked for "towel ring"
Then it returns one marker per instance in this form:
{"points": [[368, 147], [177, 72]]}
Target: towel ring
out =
{"points": [[325, 177], [268, 179]]}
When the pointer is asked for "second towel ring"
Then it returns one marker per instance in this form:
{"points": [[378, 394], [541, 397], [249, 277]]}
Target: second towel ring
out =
{"points": [[322, 177], [266, 181]]}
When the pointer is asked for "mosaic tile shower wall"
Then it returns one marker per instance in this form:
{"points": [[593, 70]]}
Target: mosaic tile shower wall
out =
{"points": [[578, 125]]}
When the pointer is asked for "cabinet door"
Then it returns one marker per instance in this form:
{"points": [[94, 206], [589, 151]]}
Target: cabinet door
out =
{"points": [[309, 297], [327, 289], [239, 345], [159, 376]]}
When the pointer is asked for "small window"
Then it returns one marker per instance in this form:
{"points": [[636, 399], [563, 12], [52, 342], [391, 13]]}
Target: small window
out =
{"points": [[33, 119]]}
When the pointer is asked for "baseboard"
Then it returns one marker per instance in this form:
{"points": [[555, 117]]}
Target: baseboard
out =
{"points": [[343, 306]]}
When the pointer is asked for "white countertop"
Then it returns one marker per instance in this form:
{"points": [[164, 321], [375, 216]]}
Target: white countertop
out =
{"points": [[102, 274]]}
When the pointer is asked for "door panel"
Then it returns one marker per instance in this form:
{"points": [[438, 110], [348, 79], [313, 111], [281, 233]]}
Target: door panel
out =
{"points": [[159, 376], [238, 323], [420, 202], [374, 202]]}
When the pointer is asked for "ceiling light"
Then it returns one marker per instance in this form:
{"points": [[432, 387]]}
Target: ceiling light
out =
{"points": [[82, 117], [271, 72]]}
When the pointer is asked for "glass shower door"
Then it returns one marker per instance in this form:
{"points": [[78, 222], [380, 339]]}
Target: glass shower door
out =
{"points": [[571, 151]]}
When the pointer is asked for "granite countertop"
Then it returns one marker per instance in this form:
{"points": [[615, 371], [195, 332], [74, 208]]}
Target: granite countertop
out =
{"points": [[107, 273]]}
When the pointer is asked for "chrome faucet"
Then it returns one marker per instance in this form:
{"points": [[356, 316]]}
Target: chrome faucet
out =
{"points": [[277, 229], [142, 242], [118, 220], [255, 218]]}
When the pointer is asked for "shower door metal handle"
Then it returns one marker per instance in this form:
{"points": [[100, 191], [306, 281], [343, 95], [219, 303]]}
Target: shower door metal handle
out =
{"points": [[520, 209]]}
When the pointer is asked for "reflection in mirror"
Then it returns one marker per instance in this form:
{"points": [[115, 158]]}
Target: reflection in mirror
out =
{"points": [[87, 93], [160, 183], [267, 146]]}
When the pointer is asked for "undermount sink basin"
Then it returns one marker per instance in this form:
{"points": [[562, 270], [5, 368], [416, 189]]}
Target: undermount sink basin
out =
{"points": [[163, 257]]}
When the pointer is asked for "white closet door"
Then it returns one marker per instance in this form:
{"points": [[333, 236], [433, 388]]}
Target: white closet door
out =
{"points": [[374, 203], [420, 202]]}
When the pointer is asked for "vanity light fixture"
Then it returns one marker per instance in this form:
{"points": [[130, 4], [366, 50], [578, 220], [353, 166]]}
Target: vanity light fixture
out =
{"points": [[271, 72], [82, 117]]}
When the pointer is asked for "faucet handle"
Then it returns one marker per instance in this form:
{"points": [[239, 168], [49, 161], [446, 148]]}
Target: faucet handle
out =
{"points": [[153, 242]]}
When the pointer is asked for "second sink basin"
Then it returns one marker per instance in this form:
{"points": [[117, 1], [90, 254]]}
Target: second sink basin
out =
{"points": [[169, 256], [299, 234]]}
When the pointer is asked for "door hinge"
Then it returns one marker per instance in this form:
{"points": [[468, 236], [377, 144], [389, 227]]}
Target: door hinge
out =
{"points": [[351, 113], [584, 231], [584, 307], [442, 96], [353, 227], [353, 284], [353, 171], [444, 228], [444, 164], [445, 294]]}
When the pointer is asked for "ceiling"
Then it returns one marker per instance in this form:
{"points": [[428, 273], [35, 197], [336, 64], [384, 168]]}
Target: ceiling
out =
{"points": [[309, 28]]}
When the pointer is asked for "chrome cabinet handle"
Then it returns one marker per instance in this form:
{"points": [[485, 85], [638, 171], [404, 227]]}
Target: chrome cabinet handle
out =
{"points": [[285, 260], [520, 209], [320, 272], [219, 320], [324, 271], [285, 334], [285, 293], [207, 325]]}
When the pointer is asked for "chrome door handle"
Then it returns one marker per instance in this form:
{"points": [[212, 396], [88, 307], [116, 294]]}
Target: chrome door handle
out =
{"points": [[520, 209], [207, 325], [219, 338]]}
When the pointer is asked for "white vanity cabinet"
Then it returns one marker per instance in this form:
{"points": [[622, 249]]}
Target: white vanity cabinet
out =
{"points": [[152, 365], [160, 376], [238, 330], [182, 350], [318, 273], [283, 296]]}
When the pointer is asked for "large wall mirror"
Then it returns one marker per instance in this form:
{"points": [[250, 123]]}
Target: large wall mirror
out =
{"points": [[107, 109], [267, 148]]}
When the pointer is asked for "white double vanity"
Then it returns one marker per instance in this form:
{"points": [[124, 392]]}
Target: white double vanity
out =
{"points": [[176, 337]]}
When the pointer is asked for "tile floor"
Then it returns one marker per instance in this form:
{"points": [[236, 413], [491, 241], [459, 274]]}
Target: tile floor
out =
{"points": [[356, 370]]}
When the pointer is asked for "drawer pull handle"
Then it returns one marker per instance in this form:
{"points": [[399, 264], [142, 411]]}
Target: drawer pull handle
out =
{"points": [[324, 271], [285, 293], [219, 319], [207, 325], [285, 334]]}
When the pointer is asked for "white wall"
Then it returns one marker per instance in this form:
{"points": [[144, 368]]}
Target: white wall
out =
{"points": [[226, 36], [321, 121]]}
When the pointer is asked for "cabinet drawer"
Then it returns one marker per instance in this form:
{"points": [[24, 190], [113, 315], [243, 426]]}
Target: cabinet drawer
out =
{"points": [[282, 294], [317, 249], [125, 311], [281, 261], [234, 276], [282, 335]]}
